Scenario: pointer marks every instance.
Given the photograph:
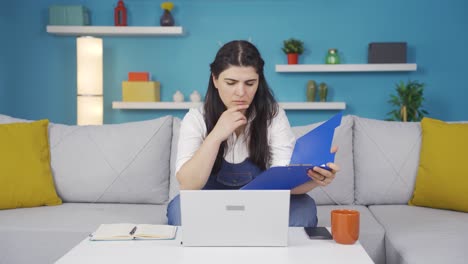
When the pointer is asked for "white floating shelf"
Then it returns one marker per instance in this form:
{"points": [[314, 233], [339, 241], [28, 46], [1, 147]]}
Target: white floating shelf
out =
{"points": [[188, 105], [114, 31], [313, 105], [154, 105], [346, 67]]}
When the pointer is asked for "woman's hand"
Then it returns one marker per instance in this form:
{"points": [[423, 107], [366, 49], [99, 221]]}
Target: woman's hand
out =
{"points": [[322, 176], [229, 121], [319, 176]]}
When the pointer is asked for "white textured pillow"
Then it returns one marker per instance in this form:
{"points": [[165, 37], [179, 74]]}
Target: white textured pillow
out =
{"points": [[118, 163], [386, 158], [341, 190]]}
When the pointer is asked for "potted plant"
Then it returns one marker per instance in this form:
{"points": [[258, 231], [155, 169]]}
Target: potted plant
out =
{"points": [[408, 101], [293, 48]]}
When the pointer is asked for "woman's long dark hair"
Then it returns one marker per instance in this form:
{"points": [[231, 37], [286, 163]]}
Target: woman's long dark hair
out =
{"points": [[263, 107]]}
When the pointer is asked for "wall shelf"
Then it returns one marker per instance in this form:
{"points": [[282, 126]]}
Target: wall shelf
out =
{"points": [[114, 31], [395, 67], [313, 105], [187, 105], [154, 105]]}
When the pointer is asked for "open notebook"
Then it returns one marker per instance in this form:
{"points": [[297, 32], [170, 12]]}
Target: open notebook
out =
{"points": [[310, 150], [125, 231]]}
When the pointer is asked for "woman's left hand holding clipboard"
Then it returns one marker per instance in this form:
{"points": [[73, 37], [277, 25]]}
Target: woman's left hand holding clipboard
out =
{"points": [[322, 176]]}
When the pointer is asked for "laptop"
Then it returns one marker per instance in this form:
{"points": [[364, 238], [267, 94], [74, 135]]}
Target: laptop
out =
{"points": [[235, 217]]}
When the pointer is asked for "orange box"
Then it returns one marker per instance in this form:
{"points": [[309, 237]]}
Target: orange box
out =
{"points": [[138, 76]]}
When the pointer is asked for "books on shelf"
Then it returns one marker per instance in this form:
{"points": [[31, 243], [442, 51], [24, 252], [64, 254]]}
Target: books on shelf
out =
{"points": [[126, 231]]}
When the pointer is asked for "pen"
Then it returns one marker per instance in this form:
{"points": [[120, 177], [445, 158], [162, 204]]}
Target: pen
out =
{"points": [[133, 230]]}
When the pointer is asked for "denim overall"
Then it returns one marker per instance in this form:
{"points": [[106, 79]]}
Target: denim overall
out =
{"points": [[302, 208]]}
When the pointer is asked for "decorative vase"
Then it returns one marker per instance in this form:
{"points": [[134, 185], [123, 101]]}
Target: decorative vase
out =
{"points": [[120, 14], [178, 96], [323, 91], [167, 20], [403, 113], [195, 97], [332, 57], [311, 90], [293, 58]]}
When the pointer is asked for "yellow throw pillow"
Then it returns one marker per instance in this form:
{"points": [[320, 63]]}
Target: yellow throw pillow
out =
{"points": [[25, 173], [442, 179]]}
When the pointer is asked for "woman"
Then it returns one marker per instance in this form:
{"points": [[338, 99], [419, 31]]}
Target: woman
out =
{"points": [[240, 132]]}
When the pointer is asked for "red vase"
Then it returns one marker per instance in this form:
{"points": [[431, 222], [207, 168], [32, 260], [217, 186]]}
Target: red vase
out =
{"points": [[293, 58], [120, 14]]}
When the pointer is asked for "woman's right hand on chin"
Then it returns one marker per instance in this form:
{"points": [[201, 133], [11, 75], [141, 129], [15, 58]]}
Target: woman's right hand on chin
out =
{"points": [[229, 121]]}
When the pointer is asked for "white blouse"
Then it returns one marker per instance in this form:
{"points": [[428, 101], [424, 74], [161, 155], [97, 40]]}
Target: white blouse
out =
{"points": [[193, 133]]}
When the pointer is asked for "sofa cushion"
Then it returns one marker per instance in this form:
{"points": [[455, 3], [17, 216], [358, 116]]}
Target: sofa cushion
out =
{"points": [[25, 173], [371, 234], [341, 190], [38, 247], [386, 157], [124, 163], [80, 217], [442, 179], [47, 233], [4, 119], [173, 183], [423, 235]]}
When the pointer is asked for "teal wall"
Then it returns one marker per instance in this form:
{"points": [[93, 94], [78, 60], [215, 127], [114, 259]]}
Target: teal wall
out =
{"points": [[41, 68], [4, 47]]}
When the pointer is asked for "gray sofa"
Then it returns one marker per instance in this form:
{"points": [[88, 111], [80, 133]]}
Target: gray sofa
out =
{"points": [[124, 173]]}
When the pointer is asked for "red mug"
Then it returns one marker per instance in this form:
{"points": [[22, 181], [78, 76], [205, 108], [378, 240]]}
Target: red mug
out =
{"points": [[345, 226]]}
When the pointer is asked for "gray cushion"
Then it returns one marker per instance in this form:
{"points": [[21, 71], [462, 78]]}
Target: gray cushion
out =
{"points": [[80, 217], [4, 119], [386, 157], [119, 163], [371, 233], [125, 163], [341, 190], [423, 235], [173, 183], [44, 234], [38, 247]]}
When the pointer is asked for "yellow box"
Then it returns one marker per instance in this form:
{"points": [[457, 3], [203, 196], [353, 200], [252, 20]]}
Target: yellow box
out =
{"points": [[141, 91]]}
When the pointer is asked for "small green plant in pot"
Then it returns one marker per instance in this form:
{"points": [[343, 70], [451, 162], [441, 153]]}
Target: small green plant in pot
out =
{"points": [[408, 101], [293, 48]]}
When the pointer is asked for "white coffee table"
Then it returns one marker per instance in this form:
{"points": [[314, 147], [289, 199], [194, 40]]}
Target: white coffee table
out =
{"points": [[300, 250]]}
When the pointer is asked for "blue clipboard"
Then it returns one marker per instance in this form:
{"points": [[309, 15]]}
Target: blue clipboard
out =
{"points": [[310, 150]]}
